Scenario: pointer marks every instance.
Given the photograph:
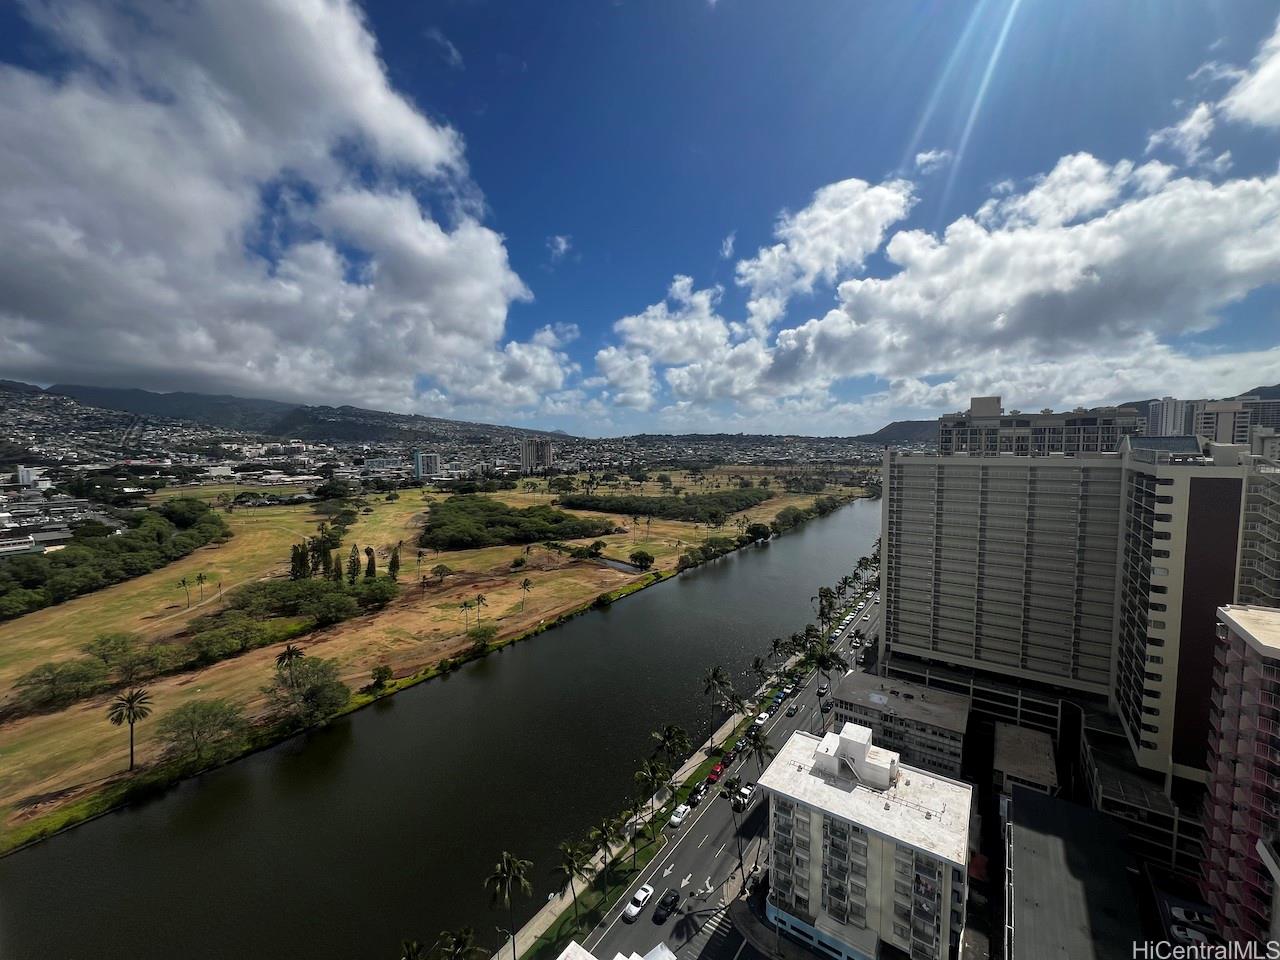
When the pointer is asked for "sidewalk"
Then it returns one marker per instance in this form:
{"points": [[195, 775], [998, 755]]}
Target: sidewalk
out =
{"points": [[541, 922]]}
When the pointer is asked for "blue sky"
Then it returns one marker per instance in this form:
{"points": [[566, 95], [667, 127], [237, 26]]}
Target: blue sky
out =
{"points": [[520, 212]]}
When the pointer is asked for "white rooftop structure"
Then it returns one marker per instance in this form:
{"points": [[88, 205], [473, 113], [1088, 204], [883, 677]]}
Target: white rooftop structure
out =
{"points": [[846, 775], [1259, 625], [575, 951]]}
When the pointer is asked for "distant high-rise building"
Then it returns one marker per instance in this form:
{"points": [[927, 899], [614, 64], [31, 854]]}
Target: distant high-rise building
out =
{"points": [[425, 464], [1168, 417], [986, 430], [1240, 815], [869, 856], [1223, 421], [536, 455]]}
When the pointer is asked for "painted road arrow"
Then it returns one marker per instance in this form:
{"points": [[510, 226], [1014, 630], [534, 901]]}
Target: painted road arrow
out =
{"points": [[685, 882], [667, 872]]}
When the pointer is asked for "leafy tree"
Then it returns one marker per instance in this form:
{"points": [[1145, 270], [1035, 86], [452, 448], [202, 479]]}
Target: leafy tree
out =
{"points": [[353, 565], [440, 571], [393, 565], [757, 532], [315, 691], [642, 559], [129, 707], [381, 676], [202, 729], [510, 876], [470, 521], [57, 684]]}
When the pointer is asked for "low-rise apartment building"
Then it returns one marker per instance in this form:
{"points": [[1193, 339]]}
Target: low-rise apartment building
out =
{"points": [[867, 853], [925, 726]]}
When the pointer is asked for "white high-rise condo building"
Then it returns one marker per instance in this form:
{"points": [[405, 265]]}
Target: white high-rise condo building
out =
{"points": [[536, 454], [986, 430], [867, 852], [1167, 417]]}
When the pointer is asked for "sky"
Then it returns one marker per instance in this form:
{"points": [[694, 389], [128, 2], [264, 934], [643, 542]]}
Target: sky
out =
{"points": [[613, 217]]}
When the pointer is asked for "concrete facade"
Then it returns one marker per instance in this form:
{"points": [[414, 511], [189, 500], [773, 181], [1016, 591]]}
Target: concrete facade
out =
{"points": [[925, 726], [865, 851], [986, 430]]}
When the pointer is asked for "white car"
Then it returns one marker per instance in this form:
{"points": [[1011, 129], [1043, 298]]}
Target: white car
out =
{"points": [[637, 903], [745, 796], [762, 719], [789, 690], [1187, 934], [680, 814]]}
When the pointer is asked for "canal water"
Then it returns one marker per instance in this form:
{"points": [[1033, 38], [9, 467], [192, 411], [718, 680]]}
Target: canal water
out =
{"points": [[384, 825]]}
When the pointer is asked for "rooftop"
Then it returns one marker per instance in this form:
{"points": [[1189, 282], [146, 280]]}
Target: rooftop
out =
{"points": [[1070, 895], [917, 808], [1026, 754], [947, 711], [1259, 625]]}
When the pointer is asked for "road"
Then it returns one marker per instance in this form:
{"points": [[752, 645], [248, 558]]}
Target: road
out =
{"points": [[702, 855]]}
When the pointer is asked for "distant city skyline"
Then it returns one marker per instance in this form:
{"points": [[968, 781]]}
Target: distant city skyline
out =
{"points": [[723, 216]]}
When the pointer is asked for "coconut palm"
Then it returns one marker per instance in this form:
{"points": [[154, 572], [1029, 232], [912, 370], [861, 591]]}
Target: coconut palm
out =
{"points": [[758, 746], [715, 682], [458, 944], [185, 584], [651, 776], [201, 580], [286, 658], [672, 740], [575, 864], [481, 601], [129, 707], [826, 661], [413, 950], [607, 833], [510, 876], [525, 586], [778, 649], [465, 607], [729, 789], [760, 667]]}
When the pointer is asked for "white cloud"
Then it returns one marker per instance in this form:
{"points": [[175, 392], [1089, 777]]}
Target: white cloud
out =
{"points": [[841, 226], [1211, 71], [726, 245], [931, 161], [559, 245], [1255, 97], [628, 376], [1188, 136], [234, 197], [451, 54], [681, 328]]}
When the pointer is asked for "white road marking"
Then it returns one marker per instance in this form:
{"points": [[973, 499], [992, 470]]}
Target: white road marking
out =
{"points": [[703, 840], [667, 872], [685, 882], [721, 850]]}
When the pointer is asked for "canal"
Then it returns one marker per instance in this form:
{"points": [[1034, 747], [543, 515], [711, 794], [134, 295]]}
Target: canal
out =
{"points": [[383, 826]]}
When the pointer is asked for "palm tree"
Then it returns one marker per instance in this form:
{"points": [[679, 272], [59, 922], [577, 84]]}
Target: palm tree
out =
{"points": [[130, 707], [417, 566], [481, 601], [286, 658], [714, 683], [575, 864], [201, 579], [729, 790], [510, 876], [185, 584], [758, 746], [635, 807], [606, 834], [760, 667], [413, 950], [525, 586], [457, 945], [825, 660], [651, 776], [672, 740], [465, 607]]}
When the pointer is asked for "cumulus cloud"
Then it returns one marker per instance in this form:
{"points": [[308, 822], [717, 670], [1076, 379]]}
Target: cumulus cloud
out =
{"points": [[451, 54], [234, 197], [1255, 97], [834, 233], [931, 161], [1188, 138]]}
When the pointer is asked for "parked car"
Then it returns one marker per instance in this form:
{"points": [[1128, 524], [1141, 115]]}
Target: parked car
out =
{"points": [[697, 794], [716, 771], [1183, 915], [1188, 934], [637, 904], [666, 905], [762, 719], [823, 689], [740, 745], [728, 757], [744, 796], [680, 814], [827, 705], [793, 710], [789, 690]]}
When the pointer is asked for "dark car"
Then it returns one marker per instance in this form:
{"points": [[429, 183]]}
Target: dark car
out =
{"points": [[827, 705], [666, 906], [740, 745], [728, 757], [697, 793]]}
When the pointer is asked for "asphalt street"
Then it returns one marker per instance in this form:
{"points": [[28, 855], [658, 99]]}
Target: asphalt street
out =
{"points": [[702, 855]]}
